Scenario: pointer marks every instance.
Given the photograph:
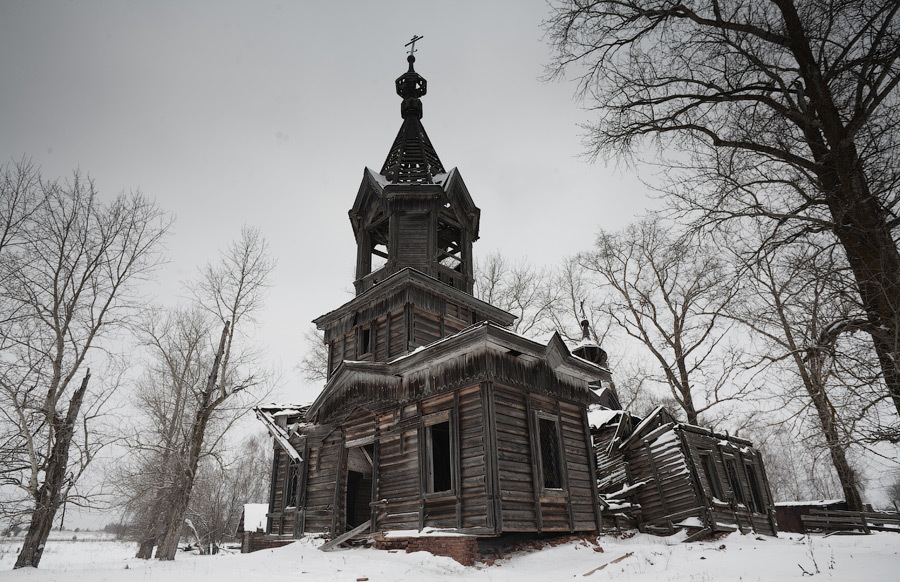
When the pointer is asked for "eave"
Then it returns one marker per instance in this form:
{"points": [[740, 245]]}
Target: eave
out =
{"points": [[412, 277], [485, 336]]}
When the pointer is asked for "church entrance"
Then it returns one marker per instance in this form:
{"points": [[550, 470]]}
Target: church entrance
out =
{"points": [[359, 485]]}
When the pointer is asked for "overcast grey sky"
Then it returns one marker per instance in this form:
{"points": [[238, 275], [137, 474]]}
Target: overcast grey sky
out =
{"points": [[266, 113]]}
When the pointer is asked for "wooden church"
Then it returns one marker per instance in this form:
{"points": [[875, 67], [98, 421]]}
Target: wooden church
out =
{"points": [[434, 414]]}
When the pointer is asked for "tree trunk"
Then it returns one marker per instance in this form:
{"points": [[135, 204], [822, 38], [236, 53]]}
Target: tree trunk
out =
{"points": [[145, 549], [837, 450], [861, 223], [47, 499], [168, 543]]}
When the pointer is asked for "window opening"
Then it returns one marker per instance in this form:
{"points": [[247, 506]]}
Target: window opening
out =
{"points": [[365, 341], [292, 485], [440, 462], [756, 503], [550, 460], [378, 235], [449, 248], [734, 481], [712, 475]]}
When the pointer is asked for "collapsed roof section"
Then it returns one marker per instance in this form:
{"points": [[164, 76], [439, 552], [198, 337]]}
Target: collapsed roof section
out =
{"points": [[282, 421]]}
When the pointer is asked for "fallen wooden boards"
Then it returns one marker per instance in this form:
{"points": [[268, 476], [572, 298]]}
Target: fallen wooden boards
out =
{"points": [[344, 537], [616, 561]]}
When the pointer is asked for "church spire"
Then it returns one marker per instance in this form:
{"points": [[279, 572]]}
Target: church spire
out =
{"points": [[412, 159]]}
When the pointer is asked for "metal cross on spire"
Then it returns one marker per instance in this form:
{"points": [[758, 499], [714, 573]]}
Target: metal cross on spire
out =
{"points": [[412, 44]]}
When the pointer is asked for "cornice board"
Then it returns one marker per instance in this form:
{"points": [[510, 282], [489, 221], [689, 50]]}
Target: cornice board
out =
{"points": [[481, 339], [412, 277]]}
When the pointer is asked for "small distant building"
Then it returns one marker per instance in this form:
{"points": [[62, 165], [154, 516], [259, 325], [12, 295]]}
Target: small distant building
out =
{"points": [[680, 475], [253, 518]]}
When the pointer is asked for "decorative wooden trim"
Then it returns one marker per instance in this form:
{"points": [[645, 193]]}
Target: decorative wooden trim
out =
{"points": [[564, 470], [300, 518], [494, 518], [537, 477], [455, 455], [592, 469], [339, 487], [420, 445]]}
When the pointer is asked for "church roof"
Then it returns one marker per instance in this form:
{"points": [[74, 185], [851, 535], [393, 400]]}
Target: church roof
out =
{"points": [[412, 159], [355, 382]]}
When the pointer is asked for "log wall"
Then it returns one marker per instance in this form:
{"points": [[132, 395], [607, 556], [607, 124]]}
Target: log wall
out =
{"points": [[526, 504], [668, 495], [729, 510]]}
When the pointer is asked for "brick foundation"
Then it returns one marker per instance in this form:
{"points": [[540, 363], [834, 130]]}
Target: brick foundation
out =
{"points": [[463, 549]]}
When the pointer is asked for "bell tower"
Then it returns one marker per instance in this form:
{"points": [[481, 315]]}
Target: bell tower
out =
{"points": [[414, 224], [414, 213]]}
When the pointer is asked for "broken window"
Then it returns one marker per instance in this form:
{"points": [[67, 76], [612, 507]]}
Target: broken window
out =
{"points": [[734, 481], [712, 475], [756, 499], [551, 467], [365, 341], [449, 247], [439, 465], [378, 237], [292, 485]]}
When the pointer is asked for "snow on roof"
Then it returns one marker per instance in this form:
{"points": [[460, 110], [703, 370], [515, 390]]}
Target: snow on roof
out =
{"points": [[584, 342], [816, 502], [598, 417], [296, 407], [382, 180], [643, 424], [255, 516], [286, 412], [278, 433]]}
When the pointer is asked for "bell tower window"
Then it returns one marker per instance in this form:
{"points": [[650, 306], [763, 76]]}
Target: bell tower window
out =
{"points": [[378, 239], [449, 245]]}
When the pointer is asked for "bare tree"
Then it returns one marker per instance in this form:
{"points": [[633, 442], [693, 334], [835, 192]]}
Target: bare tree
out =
{"points": [[519, 288], [180, 357], [670, 294], [68, 272], [578, 298], [223, 488], [893, 491], [204, 385], [787, 107], [791, 302], [314, 365]]}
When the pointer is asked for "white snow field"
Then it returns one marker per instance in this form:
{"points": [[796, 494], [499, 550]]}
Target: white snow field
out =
{"points": [[736, 557]]}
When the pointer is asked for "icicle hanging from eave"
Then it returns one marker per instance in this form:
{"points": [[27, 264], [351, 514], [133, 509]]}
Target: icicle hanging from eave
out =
{"points": [[279, 434]]}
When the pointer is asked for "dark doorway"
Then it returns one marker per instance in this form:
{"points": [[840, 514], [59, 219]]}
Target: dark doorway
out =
{"points": [[359, 485]]}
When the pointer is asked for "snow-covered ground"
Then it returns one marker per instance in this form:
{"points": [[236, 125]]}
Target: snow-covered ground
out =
{"points": [[745, 558]]}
